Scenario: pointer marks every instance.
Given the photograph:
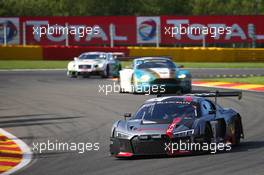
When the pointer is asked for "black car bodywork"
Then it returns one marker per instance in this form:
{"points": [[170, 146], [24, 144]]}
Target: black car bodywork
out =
{"points": [[172, 119]]}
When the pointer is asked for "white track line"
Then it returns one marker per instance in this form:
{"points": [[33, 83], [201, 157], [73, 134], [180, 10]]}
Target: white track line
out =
{"points": [[27, 154]]}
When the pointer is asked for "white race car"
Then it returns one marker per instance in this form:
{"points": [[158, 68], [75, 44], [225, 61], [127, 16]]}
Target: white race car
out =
{"points": [[154, 74], [95, 63]]}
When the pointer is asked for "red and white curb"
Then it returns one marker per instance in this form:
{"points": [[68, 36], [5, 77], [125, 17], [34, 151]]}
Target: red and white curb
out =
{"points": [[229, 85], [16, 153]]}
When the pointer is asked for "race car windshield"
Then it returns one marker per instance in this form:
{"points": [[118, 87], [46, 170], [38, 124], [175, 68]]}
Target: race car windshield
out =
{"points": [[165, 112], [92, 56], [156, 64]]}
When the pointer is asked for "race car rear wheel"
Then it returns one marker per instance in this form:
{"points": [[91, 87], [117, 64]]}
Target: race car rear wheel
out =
{"points": [[237, 132], [119, 69]]}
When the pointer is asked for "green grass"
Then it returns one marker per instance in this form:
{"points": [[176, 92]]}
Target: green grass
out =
{"points": [[250, 80], [14, 64], [212, 65], [33, 64]]}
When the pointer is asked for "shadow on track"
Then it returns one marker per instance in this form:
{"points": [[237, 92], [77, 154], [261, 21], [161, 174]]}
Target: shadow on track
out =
{"points": [[29, 120], [246, 146]]}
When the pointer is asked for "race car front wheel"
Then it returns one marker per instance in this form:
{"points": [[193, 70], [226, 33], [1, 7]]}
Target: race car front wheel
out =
{"points": [[72, 74], [105, 73], [237, 133], [188, 88], [208, 134]]}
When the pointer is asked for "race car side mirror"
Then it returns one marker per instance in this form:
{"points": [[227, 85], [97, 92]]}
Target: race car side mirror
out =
{"points": [[75, 58], [127, 115]]}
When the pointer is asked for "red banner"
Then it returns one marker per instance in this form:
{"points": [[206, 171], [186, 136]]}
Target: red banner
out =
{"points": [[132, 30], [81, 30]]}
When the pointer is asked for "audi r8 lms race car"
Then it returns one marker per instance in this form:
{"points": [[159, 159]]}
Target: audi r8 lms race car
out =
{"points": [[162, 123], [95, 63], [156, 74]]}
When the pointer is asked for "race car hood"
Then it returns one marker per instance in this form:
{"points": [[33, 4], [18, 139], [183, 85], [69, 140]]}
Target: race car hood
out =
{"points": [[144, 127], [159, 72], [90, 62]]}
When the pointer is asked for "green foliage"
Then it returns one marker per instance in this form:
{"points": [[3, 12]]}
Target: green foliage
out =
{"points": [[129, 7], [227, 7]]}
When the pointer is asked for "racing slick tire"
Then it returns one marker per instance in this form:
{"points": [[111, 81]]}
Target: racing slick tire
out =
{"points": [[208, 134], [105, 73], [71, 74], [207, 138], [79, 75], [119, 69], [237, 133], [188, 89]]}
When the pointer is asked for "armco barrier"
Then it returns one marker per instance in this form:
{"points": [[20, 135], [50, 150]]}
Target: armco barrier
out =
{"points": [[200, 54], [21, 53], [67, 53]]}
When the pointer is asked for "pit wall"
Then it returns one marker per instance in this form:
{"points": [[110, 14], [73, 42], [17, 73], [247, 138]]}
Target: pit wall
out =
{"points": [[185, 54]]}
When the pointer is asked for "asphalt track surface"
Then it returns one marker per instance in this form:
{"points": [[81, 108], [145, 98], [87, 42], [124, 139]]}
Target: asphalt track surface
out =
{"points": [[41, 106]]}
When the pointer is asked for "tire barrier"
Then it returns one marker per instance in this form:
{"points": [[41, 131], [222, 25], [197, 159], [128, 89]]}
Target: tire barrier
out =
{"points": [[200, 54], [21, 53], [185, 54]]}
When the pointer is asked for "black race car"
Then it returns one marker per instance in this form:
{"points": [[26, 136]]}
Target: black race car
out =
{"points": [[163, 124]]}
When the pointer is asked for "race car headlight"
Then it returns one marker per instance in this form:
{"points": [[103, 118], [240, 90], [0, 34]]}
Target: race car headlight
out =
{"points": [[145, 78], [182, 76], [121, 135], [101, 65]]}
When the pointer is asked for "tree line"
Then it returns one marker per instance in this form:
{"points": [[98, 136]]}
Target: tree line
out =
{"points": [[129, 7]]}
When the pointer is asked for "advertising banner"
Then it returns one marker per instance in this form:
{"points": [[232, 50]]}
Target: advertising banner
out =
{"points": [[217, 29], [133, 30], [80, 30], [12, 30], [147, 29]]}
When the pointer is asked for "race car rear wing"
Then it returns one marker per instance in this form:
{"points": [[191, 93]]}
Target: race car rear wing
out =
{"points": [[214, 94], [201, 93], [217, 94]]}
